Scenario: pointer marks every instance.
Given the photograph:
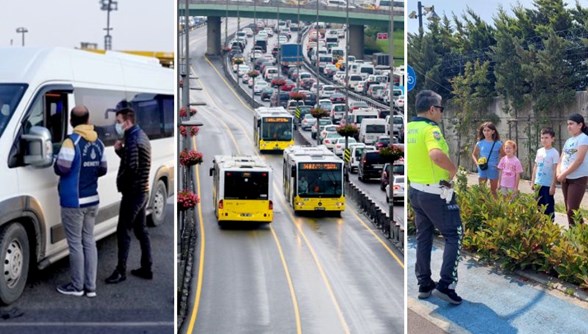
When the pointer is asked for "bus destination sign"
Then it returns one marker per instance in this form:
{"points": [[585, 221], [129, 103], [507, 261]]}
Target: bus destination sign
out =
{"points": [[320, 166], [276, 119]]}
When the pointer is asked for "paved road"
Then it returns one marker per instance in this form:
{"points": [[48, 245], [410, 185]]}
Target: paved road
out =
{"points": [[133, 306], [310, 274]]}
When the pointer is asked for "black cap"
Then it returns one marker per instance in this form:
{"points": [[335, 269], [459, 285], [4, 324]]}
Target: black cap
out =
{"points": [[576, 118]]}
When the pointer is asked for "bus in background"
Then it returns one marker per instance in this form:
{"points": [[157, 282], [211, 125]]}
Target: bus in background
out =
{"points": [[241, 189], [273, 129], [38, 88], [313, 179]]}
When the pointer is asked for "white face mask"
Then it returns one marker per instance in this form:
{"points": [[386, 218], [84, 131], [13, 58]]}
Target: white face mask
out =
{"points": [[119, 130]]}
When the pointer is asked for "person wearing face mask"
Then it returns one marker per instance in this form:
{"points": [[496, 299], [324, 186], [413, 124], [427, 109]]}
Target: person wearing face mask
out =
{"points": [[80, 162], [133, 183]]}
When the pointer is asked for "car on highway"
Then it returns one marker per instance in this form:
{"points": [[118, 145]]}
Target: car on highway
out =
{"points": [[242, 69], [307, 122], [325, 104], [353, 105], [339, 145], [248, 32], [397, 169], [259, 86], [356, 152], [330, 138], [328, 129], [266, 93], [371, 165], [337, 97], [397, 192], [321, 124], [382, 141], [337, 112]]}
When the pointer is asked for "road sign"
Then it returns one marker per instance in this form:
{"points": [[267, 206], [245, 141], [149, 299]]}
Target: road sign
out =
{"points": [[382, 35], [412, 79], [347, 155]]}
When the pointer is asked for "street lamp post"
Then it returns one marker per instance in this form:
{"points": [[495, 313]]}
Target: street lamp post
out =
{"points": [[23, 31], [108, 6], [298, 51], [346, 68], [226, 23], [423, 10]]}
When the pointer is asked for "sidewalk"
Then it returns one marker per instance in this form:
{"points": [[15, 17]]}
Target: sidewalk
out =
{"points": [[495, 301]]}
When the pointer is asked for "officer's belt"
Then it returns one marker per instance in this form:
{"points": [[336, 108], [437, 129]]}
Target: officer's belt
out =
{"points": [[435, 190]]}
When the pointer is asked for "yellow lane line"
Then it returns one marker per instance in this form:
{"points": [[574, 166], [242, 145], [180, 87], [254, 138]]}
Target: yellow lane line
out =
{"points": [[316, 261], [401, 263], [282, 257], [194, 314]]}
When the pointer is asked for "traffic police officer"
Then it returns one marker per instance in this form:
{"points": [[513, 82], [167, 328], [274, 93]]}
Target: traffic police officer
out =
{"points": [[430, 171]]}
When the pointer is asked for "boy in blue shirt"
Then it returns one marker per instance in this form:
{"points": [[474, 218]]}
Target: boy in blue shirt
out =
{"points": [[544, 170]]}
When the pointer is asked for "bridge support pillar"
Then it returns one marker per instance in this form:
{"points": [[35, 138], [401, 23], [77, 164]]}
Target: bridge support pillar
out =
{"points": [[213, 31], [356, 44]]}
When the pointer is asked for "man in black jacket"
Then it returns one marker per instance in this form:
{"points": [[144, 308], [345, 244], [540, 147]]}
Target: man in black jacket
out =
{"points": [[132, 182]]}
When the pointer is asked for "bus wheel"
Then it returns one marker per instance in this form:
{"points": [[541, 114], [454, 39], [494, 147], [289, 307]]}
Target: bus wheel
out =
{"points": [[14, 262], [158, 205]]}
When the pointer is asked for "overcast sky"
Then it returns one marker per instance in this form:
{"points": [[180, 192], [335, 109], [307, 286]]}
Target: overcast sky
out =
{"points": [[485, 8], [138, 24]]}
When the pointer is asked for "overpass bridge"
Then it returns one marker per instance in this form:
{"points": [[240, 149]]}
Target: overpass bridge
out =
{"points": [[358, 17]]}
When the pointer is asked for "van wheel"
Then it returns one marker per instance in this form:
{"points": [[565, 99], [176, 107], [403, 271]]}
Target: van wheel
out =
{"points": [[158, 205], [14, 262]]}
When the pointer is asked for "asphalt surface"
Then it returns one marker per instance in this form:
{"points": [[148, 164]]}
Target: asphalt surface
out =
{"points": [[298, 274], [133, 306], [494, 301]]}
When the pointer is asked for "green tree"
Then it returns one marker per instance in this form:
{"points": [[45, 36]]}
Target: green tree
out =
{"points": [[471, 97]]}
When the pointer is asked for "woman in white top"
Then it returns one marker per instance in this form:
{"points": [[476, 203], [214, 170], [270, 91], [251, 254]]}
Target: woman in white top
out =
{"points": [[572, 171]]}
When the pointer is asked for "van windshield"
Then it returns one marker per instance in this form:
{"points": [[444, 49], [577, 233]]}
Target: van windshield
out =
{"points": [[375, 128], [10, 95]]}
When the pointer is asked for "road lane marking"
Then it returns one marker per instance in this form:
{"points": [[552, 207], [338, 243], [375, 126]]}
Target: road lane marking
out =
{"points": [[401, 263], [194, 314], [316, 260], [278, 244]]}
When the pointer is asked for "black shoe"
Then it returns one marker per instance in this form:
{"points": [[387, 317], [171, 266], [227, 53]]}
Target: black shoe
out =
{"points": [[447, 295], [426, 289], [143, 273], [116, 277]]}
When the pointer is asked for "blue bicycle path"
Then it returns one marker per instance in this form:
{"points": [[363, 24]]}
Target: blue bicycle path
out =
{"points": [[497, 303]]}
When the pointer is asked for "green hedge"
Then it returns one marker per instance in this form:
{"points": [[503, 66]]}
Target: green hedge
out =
{"points": [[512, 233]]}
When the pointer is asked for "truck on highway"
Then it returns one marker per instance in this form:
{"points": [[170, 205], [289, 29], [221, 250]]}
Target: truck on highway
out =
{"points": [[290, 54]]}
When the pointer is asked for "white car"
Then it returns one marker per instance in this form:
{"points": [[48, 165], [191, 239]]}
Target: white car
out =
{"points": [[322, 123], [242, 69], [330, 138], [259, 86], [307, 122], [397, 193], [339, 145], [328, 129], [356, 152], [248, 32]]}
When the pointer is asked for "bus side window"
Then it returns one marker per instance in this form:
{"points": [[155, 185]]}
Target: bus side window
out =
{"points": [[294, 171]]}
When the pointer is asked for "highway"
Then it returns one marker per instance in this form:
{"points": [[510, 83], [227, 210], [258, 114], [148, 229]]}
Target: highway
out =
{"points": [[298, 274]]}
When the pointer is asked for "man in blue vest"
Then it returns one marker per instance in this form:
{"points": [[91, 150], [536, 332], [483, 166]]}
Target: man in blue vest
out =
{"points": [[80, 162]]}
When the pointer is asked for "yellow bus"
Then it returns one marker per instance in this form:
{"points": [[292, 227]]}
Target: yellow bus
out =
{"points": [[273, 129], [242, 189], [313, 179]]}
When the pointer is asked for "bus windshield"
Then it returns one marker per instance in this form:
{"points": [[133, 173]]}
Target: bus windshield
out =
{"points": [[320, 180], [246, 185], [10, 95], [279, 131]]}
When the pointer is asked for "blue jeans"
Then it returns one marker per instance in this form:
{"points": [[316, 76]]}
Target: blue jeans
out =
{"points": [[132, 217], [83, 256], [433, 212]]}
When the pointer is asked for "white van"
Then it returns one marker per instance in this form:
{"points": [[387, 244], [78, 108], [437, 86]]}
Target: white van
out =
{"points": [[362, 113], [370, 129], [38, 88]]}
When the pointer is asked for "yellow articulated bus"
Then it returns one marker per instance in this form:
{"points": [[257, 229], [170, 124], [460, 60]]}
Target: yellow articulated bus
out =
{"points": [[242, 189], [273, 129], [313, 179]]}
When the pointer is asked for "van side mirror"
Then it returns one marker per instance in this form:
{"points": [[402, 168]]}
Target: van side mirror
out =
{"points": [[39, 149], [211, 171]]}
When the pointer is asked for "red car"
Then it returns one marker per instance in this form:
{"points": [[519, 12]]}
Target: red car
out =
{"points": [[288, 86], [337, 98]]}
